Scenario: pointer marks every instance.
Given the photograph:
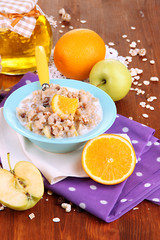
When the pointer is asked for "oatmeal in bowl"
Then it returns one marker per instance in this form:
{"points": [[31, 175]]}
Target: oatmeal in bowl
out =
{"points": [[62, 118], [38, 112]]}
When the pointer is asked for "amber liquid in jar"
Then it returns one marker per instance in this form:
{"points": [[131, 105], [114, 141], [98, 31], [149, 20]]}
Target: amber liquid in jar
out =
{"points": [[18, 52]]}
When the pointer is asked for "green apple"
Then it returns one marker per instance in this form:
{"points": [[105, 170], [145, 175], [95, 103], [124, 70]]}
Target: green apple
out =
{"points": [[21, 188], [111, 76]]}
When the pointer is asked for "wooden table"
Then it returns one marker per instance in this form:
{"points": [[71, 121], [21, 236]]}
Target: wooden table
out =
{"points": [[111, 19]]}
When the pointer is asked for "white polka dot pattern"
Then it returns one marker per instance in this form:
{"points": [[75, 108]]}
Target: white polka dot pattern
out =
{"points": [[147, 185], [149, 143], [139, 174], [158, 159], [93, 187], [103, 202], [72, 189], [28, 81], [125, 129], [156, 199], [123, 200]]}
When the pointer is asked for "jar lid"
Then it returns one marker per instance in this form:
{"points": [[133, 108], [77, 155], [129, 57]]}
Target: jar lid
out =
{"points": [[19, 16]]}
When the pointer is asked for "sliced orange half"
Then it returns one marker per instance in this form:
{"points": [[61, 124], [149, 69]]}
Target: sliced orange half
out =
{"points": [[108, 159], [64, 105]]}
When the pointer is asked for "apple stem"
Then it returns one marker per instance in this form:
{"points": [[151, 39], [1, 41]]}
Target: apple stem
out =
{"points": [[102, 82], [99, 84], [8, 157]]}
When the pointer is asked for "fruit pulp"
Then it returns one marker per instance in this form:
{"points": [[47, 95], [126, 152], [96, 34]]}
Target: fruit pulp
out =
{"points": [[18, 52]]}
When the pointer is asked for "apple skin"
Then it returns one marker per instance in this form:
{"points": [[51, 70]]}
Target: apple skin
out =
{"points": [[21, 188], [111, 76]]}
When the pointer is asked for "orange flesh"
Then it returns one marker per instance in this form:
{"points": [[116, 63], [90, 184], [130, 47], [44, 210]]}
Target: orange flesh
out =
{"points": [[108, 163]]}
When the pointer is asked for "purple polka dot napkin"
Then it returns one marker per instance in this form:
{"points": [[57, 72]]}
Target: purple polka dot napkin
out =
{"points": [[111, 202]]}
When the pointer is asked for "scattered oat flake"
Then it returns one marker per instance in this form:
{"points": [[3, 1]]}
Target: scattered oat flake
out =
{"points": [[133, 44], [152, 62], [142, 104], [146, 82], [111, 44], [151, 108], [60, 31], [133, 28], [135, 208], [66, 17], [141, 13], [131, 118], [135, 83], [126, 62], [133, 52], [83, 21], [154, 79], [128, 40], [1, 208], [51, 20], [132, 89], [140, 91], [66, 206], [70, 27], [129, 58], [62, 11], [147, 106], [46, 199], [139, 84], [31, 216], [137, 77], [151, 98], [56, 219], [49, 192], [124, 36], [133, 72], [139, 71], [144, 59], [62, 26], [142, 52], [145, 115], [138, 41]]}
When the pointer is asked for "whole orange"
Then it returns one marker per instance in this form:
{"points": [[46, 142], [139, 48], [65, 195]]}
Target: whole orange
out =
{"points": [[77, 51]]}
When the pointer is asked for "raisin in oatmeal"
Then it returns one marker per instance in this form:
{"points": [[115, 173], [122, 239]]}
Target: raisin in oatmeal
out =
{"points": [[35, 113]]}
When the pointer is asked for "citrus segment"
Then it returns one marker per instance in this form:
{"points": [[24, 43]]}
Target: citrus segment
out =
{"points": [[77, 51], [64, 105], [108, 159]]}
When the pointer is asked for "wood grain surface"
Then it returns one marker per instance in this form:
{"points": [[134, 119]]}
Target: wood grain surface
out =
{"points": [[110, 19]]}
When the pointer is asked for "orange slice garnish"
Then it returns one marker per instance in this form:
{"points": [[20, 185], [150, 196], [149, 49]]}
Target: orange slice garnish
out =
{"points": [[64, 105]]}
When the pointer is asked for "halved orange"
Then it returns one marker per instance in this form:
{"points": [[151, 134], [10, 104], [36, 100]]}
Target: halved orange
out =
{"points": [[108, 159], [64, 105]]}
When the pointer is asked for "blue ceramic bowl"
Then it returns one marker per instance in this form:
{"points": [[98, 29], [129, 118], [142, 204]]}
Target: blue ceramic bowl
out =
{"points": [[58, 145]]}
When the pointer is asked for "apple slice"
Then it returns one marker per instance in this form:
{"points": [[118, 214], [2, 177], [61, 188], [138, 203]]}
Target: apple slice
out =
{"points": [[21, 188]]}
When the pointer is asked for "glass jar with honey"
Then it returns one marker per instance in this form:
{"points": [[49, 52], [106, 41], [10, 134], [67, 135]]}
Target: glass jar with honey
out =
{"points": [[18, 52]]}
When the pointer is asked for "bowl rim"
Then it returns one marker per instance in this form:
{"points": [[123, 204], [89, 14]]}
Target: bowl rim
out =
{"points": [[9, 111]]}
